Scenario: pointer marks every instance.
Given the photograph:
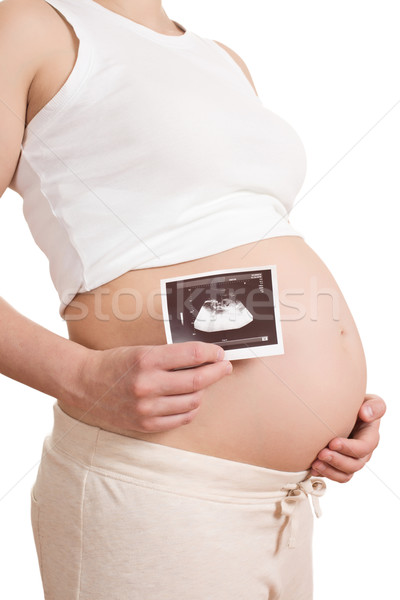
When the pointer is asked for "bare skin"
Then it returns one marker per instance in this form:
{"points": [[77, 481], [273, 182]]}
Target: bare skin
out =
{"points": [[52, 70]]}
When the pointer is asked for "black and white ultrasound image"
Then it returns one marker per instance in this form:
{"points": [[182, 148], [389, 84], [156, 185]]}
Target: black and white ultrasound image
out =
{"points": [[235, 310]]}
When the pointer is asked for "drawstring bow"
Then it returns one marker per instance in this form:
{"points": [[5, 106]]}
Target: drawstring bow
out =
{"points": [[299, 491]]}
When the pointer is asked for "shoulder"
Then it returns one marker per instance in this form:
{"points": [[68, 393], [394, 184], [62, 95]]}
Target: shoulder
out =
{"points": [[23, 10], [239, 61], [29, 31], [21, 29], [28, 18]]}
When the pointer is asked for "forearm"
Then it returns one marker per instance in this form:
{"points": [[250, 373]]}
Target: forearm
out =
{"points": [[39, 358]]}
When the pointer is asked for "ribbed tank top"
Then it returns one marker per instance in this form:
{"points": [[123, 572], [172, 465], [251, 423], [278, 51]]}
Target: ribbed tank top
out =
{"points": [[155, 151]]}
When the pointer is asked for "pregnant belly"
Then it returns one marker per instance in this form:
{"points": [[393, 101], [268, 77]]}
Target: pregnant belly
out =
{"points": [[275, 411]]}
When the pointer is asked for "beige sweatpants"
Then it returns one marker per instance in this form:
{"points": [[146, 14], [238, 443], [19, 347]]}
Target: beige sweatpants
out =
{"points": [[116, 518]]}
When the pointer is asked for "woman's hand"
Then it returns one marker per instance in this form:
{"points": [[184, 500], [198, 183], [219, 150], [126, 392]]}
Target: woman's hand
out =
{"points": [[147, 388], [344, 456]]}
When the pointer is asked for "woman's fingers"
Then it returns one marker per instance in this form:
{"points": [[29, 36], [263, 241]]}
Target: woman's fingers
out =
{"points": [[169, 405], [333, 474], [346, 464], [185, 381], [365, 440], [184, 354], [345, 456], [155, 424]]}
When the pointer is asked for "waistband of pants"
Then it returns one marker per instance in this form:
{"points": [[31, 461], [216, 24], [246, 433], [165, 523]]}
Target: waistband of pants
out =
{"points": [[165, 466]]}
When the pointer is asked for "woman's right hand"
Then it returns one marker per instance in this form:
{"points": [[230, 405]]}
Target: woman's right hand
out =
{"points": [[134, 387]]}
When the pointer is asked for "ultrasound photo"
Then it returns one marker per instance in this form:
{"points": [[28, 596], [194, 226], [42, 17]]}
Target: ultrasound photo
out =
{"points": [[237, 309]]}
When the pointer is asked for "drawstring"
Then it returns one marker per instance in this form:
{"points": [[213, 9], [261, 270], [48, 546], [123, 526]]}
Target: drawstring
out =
{"points": [[298, 491]]}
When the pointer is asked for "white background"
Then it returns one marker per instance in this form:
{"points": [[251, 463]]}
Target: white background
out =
{"points": [[331, 69]]}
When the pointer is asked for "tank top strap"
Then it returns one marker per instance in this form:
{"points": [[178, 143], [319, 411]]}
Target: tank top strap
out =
{"points": [[77, 13]]}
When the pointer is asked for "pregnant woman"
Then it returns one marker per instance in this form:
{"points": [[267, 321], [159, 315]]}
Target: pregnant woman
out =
{"points": [[142, 152]]}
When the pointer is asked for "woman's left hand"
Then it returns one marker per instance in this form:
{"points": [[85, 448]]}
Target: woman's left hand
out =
{"points": [[344, 456]]}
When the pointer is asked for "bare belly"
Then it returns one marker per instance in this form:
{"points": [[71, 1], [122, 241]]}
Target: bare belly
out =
{"points": [[276, 411]]}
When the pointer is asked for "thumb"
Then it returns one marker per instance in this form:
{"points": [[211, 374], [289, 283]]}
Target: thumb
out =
{"points": [[373, 408]]}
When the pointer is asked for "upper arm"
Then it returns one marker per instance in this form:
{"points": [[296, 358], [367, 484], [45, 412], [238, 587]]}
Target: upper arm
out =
{"points": [[18, 64], [239, 61]]}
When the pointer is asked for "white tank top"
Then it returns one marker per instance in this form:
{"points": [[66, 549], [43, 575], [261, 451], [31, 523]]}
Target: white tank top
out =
{"points": [[156, 150]]}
